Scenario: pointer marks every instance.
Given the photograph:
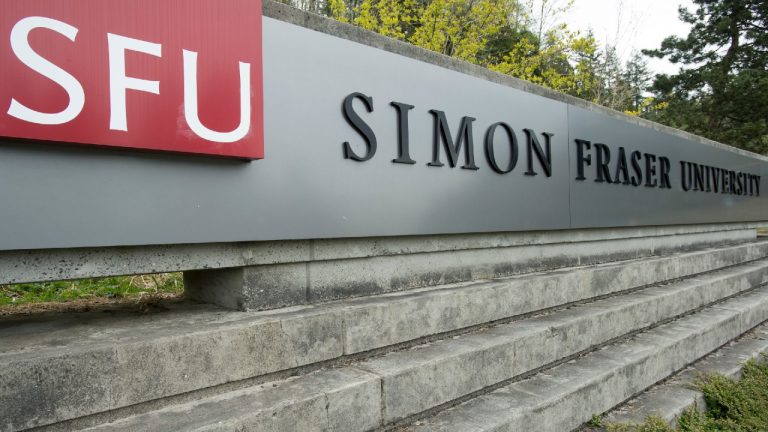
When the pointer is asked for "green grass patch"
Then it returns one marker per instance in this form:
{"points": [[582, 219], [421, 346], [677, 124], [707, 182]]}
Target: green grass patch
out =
{"points": [[101, 288], [732, 406], [651, 424]]}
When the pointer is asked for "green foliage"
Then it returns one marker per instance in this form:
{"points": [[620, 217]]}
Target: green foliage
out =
{"points": [[561, 61], [596, 421], [732, 406], [637, 78], [499, 34], [337, 9], [111, 287], [651, 424], [510, 37], [461, 28], [721, 89]]}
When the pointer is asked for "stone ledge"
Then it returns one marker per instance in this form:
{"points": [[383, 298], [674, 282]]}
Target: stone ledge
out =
{"points": [[62, 264], [274, 286]]}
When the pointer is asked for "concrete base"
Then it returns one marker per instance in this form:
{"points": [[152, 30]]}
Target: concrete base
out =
{"points": [[376, 393], [414, 351], [344, 268]]}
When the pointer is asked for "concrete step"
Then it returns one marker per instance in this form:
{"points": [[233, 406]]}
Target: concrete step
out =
{"points": [[342, 399], [669, 399], [433, 374], [566, 396], [82, 364], [416, 380]]}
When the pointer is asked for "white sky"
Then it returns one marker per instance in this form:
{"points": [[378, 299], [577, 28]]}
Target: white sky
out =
{"points": [[630, 25]]}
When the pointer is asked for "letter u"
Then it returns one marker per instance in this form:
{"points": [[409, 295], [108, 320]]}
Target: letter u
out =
{"points": [[190, 103]]}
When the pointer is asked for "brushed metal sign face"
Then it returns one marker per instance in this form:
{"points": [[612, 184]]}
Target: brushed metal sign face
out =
{"points": [[56, 197], [595, 204]]}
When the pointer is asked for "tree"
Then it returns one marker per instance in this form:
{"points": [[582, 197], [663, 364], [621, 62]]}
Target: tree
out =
{"points": [[611, 89], [315, 6], [457, 28], [637, 77], [504, 35], [721, 90], [461, 28], [562, 61]]}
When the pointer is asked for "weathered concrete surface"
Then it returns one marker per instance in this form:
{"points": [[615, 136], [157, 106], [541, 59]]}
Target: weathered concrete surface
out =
{"points": [[63, 367], [566, 396], [61, 264], [669, 399], [430, 375], [268, 286], [328, 400], [333, 249], [557, 399], [399, 265], [38, 355], [399, 317]]}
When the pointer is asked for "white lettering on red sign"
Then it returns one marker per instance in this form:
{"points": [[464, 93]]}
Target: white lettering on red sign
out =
{"points": [[176, 75]]}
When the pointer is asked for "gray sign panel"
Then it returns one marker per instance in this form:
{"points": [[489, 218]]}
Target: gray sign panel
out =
{"points": [[54, 197], [595, 204]]}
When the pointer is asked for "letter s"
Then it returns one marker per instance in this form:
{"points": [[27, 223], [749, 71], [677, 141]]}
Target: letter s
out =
{"points": [[360, 126], [20, 46]]}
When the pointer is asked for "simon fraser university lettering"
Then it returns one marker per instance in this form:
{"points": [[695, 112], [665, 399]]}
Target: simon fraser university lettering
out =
{"points": [[192, 121], [631, 167]]}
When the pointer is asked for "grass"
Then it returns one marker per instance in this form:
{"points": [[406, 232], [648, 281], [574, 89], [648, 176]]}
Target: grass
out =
{"points": [[123, 287], [732, 405]]}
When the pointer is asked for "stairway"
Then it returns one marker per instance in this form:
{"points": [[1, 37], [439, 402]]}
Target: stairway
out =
{"points": [[669, 399], [539, 351]]}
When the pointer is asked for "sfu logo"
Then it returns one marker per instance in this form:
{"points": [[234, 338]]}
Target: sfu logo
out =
{"points": [[174, 75]]}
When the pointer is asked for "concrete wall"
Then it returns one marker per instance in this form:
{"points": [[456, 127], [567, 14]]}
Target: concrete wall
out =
{"points": [[265, 275], [322, 270], [63, 264]]}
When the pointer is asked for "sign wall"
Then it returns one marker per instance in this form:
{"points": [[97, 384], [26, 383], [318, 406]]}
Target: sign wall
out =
{"points": [[363, 142]]}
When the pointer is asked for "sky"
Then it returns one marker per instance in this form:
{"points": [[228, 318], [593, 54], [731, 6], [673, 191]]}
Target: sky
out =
{"points": [[630, 25]]}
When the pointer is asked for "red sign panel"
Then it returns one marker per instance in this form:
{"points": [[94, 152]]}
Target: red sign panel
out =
{"points": [[171, 75]]}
